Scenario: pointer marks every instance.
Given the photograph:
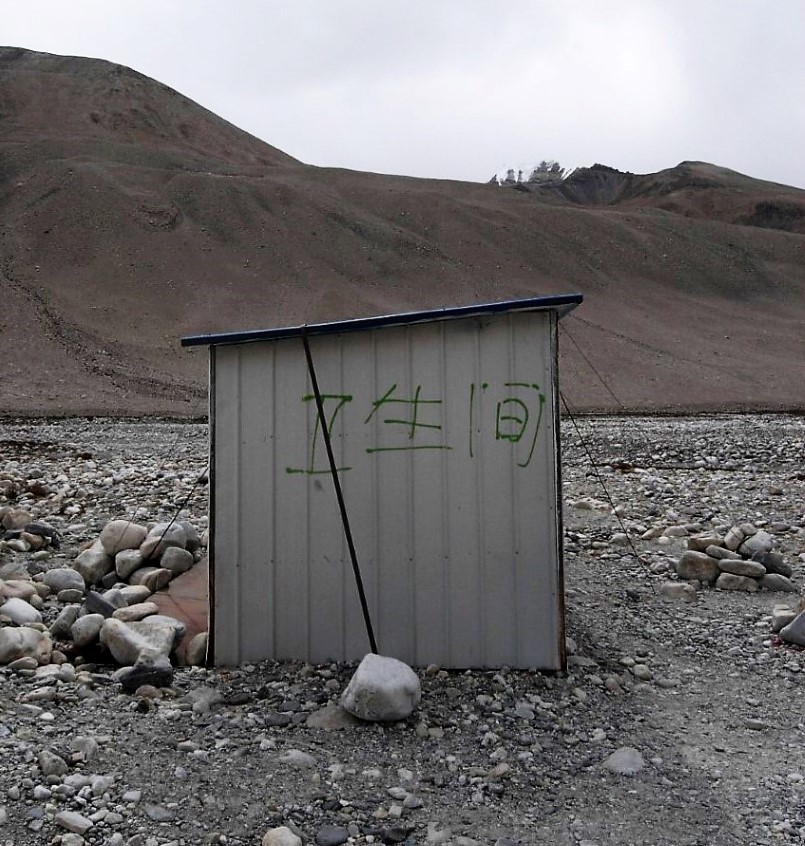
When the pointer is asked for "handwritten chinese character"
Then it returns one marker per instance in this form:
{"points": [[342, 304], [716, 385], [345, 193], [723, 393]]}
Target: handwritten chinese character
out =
{"points": [[339, 400], [518, 415], [512, 418], [413, 427]]}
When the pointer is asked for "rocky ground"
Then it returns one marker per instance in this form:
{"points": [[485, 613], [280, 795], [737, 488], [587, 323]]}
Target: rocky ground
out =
{"points": [[678, 722]]}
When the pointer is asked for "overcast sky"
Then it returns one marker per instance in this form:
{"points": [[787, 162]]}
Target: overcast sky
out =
{"points": [[464, 88]]}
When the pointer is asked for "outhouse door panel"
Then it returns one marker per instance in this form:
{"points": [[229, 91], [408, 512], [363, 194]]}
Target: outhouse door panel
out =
{"points": [[444, 434]]}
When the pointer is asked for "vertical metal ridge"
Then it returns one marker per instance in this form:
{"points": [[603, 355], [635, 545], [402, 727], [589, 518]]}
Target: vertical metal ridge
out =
{"points": [[516, 515], [375, 476], [444, 551], [480, 557], [410, 495]]}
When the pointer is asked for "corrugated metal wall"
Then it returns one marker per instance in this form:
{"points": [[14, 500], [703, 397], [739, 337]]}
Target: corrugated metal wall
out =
{"points": [[444, 433]]}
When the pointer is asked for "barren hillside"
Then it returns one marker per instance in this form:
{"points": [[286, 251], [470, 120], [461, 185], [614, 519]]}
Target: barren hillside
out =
{"points": [[131, 216]]}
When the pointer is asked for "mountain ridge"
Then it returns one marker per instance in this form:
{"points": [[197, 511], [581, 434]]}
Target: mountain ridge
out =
{"points": [[120, 236]]}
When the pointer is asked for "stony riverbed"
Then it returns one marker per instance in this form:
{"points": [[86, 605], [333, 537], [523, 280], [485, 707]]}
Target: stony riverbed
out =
{"points": [[678, 722]]}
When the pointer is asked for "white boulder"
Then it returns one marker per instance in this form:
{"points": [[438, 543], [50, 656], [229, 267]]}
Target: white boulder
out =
{"points": [[382, 689], [19, 611], [118, 535], [282, 836], [127, 641]]}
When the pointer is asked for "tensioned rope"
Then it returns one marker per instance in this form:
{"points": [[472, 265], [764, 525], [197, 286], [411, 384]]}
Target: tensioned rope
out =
{"points": [[601, 482], [356, 570]]}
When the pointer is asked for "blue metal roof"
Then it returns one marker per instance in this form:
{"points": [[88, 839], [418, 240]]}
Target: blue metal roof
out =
{"points": [[562, 303]]}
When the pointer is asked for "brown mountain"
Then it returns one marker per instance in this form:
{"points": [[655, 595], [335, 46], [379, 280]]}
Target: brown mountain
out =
{"points": [[130, 216]]}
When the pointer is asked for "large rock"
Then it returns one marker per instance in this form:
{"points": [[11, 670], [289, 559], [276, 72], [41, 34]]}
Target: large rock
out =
{"points": [[94, 563], [722, 552], [64, 578], [98, 603], [196, 655], [60, 627], [697, 565], [700, 542], [794, 632], [192, 539], [382, 689], [739, 567], [17, 589], [781, 616], [85, 630], [282, 836], [774, 563], [625, 761], [774, 581], [135, 593], [52, 764], [73, 821], [127, 561], [154, 578], [122, 641], [161, 537], [15, 518], [19, 611], [118, 535], [45, 531], [24, 643], [138, 611], [176, 560], [157, 623], [152, 668], [679, 590], [759, 542], [734, 538], [729, 581], [127, 641]]}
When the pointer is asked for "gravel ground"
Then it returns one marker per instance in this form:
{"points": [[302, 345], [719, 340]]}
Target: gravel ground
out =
{"points": [[710, 700]]}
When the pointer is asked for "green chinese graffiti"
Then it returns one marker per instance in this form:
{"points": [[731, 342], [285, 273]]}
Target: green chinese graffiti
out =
{"points": [[512, 417], [340, 401], [412, 424], [507, 413]]}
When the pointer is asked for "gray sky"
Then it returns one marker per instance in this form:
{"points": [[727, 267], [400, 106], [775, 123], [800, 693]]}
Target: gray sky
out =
{"points": [[461, 89]]}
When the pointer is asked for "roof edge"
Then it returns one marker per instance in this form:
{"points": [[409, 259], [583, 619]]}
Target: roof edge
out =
{"points": [[561, 303]]}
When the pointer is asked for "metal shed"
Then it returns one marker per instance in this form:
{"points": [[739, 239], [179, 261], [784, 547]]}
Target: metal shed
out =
{"points": [[445, 434]]}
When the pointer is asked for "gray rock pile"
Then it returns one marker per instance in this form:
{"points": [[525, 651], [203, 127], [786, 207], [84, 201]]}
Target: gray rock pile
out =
{"points": [[99, 607], [137, 555], [742, 559]]}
